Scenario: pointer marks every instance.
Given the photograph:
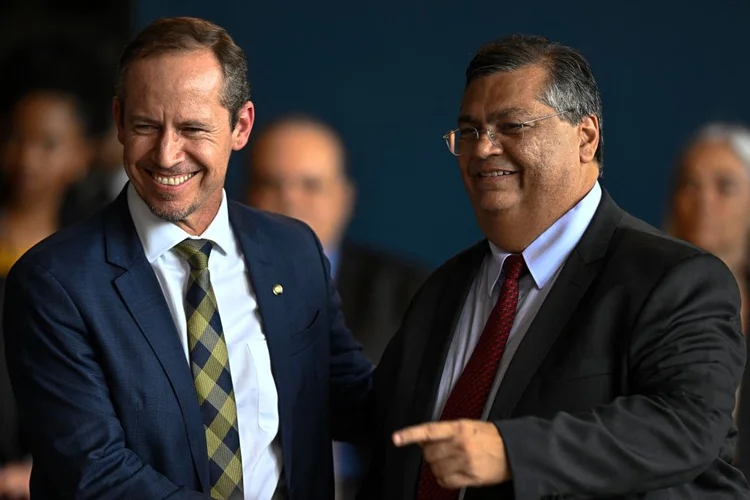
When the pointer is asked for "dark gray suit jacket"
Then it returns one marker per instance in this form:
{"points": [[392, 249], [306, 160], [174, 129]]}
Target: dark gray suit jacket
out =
{"points": [[375, 289], [622, 388], [743, 423]]}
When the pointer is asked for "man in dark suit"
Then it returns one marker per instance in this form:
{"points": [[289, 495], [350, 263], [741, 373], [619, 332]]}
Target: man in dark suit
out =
{"points": [[298, 168], [576, 352], [177, 345]]}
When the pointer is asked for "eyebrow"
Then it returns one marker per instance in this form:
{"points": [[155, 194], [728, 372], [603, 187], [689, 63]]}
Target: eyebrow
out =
{"points": [[142, 118], [182, 124], [194, 124], [493, 116]]}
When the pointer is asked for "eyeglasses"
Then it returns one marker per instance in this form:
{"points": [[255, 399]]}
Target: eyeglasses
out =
{"points": [[462, 140]]}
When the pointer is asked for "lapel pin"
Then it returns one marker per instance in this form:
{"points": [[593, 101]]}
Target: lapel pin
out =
{"points": [[278, 289]]}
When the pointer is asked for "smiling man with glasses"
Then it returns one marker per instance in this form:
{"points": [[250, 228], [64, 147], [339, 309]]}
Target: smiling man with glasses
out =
{"points": [[575, 352]]}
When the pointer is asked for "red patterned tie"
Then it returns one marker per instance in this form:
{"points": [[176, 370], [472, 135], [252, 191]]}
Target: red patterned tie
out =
{"points": [[469, 395]]}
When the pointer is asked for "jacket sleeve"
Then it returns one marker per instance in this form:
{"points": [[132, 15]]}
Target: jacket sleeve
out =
{"points": [[686, 357], [75, 437]]}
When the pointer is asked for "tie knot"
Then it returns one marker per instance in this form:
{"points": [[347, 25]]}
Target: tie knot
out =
{"points": [[514, 266], [196, 252]]}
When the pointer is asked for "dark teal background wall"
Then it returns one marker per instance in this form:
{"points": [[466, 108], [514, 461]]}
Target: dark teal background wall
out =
{"points": [[389, 76]]}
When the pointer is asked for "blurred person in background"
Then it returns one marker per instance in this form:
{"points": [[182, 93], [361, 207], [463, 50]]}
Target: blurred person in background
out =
{"points": [[51, 127], [298, 168], [47, 140], [710, 208], [108, 163]]}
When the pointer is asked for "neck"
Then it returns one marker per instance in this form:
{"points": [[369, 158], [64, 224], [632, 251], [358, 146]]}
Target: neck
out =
{"points": [[197, 222], [514, 230]]}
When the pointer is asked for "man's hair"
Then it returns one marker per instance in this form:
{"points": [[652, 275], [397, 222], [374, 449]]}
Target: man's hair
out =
{"points": [[185, 34], [570, 89]]}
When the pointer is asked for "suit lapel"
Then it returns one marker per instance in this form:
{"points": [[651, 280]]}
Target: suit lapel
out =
{"points": [[265, 273], [434, 349], [577, 274], [144, 299]]}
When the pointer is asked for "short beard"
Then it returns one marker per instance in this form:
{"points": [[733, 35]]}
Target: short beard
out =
{"points": [[173, 215]]}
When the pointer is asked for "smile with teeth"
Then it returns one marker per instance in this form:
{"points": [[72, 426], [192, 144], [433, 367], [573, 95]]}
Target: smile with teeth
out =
{"points": [[494, 174], [175, 180]]}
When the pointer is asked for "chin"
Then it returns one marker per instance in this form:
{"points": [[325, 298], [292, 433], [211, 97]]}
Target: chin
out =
{"points": [[495, 201], [170, 212]]}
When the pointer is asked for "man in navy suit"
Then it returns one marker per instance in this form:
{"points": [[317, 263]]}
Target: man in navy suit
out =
{"points": [[177, 345]]}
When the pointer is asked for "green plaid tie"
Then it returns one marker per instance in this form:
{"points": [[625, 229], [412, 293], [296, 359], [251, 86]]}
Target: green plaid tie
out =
{"points": [[209, 361]]}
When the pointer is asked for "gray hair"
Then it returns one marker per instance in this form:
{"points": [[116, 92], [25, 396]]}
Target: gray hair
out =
{"points": [[571, 87], [736, 136]]}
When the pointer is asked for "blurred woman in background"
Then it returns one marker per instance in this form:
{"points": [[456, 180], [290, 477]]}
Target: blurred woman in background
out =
{"points": [[49, 126], [711, 209]]}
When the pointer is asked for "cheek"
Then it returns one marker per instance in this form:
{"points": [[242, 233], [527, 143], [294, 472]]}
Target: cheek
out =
{"points": [[212, 157], [328, 209], [463, 167], [738, 208], [683, 203], [536, 155], [61, 163], [136, 147]]}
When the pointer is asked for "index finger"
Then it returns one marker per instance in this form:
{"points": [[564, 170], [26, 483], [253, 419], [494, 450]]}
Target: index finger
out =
{"points": [[424, 433]]}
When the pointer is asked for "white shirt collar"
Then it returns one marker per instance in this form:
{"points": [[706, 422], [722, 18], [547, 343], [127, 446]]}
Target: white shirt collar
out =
{"points": [[159, 236], [546, 254]]}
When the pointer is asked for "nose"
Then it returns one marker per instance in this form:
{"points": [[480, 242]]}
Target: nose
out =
{"points": [[291, 197], [169, 152], [485, 147], [705, 200]]}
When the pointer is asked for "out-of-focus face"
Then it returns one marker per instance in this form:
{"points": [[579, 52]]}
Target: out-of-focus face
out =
{"points": [[711, 205], [46, 149], [297, 170], [177, 135]]}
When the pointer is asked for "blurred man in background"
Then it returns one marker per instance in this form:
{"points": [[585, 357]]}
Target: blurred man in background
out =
{"points": [[298, 168]]}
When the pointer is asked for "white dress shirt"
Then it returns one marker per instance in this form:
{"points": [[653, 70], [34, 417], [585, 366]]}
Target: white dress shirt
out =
{"points": [[544, 258], [249, 360]]}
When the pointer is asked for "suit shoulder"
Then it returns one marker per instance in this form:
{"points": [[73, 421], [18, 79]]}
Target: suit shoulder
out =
{"points": [[644, 242], [67, 247], [641, 257], [267, 221], [380, 261], [286, 232]]}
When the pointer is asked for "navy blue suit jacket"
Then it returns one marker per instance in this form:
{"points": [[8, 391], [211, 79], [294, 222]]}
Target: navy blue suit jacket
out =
{"points": [[101, 377]]}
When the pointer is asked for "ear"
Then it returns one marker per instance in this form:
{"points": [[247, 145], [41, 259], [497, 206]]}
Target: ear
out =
{"points": [[117, 113], [245, 120], [588, 133]]}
